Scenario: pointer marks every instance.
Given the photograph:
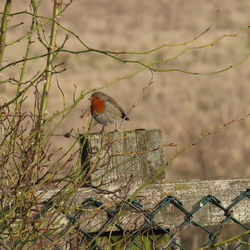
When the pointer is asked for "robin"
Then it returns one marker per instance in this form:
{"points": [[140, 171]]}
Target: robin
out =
{"points": [[105, 110]]}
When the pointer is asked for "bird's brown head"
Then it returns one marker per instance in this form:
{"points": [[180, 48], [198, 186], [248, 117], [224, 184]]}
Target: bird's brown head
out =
{"points": [[99, 95]]}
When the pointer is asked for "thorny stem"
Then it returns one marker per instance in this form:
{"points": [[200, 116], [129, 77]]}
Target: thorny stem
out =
{"points": [[18, 101], [48, 74], [3, 29], [48, 77]]}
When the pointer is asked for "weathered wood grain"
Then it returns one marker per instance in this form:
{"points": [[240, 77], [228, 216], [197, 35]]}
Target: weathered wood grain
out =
{"points": [[125, 158], [188, 192]]}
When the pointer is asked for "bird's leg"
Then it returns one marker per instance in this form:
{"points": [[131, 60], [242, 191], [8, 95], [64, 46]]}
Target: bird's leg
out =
{"points": [[102, 130], [102, 133], [116, 130]]}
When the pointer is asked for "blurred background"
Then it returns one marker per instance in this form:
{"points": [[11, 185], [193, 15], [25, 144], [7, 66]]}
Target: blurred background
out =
{"points": [[182, 105]]}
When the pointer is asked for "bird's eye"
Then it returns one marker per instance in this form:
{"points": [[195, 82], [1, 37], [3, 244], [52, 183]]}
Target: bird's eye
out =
{"points": [[92, 98]]}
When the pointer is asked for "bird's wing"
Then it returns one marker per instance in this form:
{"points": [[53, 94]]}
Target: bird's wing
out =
{"points": [[123, 114]]}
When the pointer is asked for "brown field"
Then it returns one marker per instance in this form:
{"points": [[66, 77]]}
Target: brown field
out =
{"points": [[182, 105]]}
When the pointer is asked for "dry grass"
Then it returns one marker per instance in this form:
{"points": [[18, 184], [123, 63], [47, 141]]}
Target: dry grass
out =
{"points": [[181, 105]]}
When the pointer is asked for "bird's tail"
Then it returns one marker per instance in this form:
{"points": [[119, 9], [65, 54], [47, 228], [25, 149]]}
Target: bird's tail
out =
{"points": [[124, 117]]}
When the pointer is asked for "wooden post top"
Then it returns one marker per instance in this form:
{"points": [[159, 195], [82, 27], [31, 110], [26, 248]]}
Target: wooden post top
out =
{"points": [[124, 158]]}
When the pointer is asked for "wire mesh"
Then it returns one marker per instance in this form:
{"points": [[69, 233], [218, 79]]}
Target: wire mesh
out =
{"points": [[152, 230]]}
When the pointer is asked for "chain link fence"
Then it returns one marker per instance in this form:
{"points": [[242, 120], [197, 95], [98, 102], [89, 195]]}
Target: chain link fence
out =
{"points": [[151, 234]]}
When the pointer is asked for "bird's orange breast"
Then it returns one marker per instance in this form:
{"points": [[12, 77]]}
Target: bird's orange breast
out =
{"points": [[97, 105]]}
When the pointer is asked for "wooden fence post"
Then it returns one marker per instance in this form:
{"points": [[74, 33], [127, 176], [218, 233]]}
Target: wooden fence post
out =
{"points": [[124, 158]]}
